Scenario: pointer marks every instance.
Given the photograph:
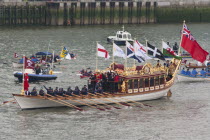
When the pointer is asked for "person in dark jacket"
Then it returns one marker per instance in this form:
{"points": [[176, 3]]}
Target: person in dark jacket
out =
{"points": [[76, 90], [34, 92], [69, 91], [84, 90]]}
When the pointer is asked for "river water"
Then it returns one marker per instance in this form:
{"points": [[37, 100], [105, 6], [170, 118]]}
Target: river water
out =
{"points": [[185, 116]]}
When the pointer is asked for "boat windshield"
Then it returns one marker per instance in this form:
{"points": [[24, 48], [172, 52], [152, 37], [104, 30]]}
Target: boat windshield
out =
{"points": [[124, 36], [129, 36], [119, 36]]}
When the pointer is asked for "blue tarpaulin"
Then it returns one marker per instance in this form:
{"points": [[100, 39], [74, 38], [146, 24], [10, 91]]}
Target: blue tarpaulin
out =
{"points": [[43, 53]]}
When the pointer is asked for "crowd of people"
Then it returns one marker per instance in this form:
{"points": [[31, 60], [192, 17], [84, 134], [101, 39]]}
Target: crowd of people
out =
{"points": [[104, 82], [58, 91]]}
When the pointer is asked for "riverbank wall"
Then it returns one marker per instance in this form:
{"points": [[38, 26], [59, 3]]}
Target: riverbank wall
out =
{"points": [[102, 12]]}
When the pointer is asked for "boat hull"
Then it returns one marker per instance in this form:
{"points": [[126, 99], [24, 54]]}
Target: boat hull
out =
{"points": [[34, 102], [35, 77], [182, 77], [118, 42]]}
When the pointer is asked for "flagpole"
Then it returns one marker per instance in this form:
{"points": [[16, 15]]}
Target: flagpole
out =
{"points": [[96, 55], [134, 52], [22, 92], [179, 51], [125, 56], [113, 55]]}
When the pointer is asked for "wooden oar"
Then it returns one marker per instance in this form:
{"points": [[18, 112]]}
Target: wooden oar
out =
{"points": [[96, 97], [126, 100], [109, 100], [83, 103], [120, 101], [64, 103], [5, 102], [89, 102]]}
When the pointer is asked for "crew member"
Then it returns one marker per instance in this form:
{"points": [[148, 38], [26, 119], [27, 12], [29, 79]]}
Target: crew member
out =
{"points": [[84, 90], [194, 72], [183, 71], [203, 73], [188, 72]]}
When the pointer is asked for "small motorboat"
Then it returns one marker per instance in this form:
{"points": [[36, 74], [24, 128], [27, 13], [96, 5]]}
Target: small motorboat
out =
{"points": [[120, 38], [33, 77]]}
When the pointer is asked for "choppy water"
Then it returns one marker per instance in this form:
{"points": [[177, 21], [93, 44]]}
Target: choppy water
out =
{"points": [[185, 115]]}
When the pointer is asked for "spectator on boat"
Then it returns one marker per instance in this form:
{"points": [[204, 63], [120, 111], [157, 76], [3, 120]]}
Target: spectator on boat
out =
{"points": [[72, 55], [41, 92], [116, 80], [84, 90], [34, 92], [98, 84], [183, 71], [76, 90], [82, 71], [188, 72], [175, 48], [167, 63], [32, 56], [203, 73], [37, 69], [158, 63], [92, 81], [194, 72], [69, 91]]}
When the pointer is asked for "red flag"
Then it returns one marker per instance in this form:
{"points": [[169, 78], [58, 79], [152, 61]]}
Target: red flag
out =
{"points": [[29, 64], [15, 55], [25, 82], [189, 43]]}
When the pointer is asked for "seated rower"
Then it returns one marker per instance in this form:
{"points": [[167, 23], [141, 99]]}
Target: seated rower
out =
{"points": [[194, 72], [69, 91], [76, 90], [60, 92], [55, 92], [203, 73], [183, 71], [33, 92], [41, 92], [188, 73], [84, 90]]}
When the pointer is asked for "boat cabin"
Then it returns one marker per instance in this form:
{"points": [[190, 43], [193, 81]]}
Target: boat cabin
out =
{"points": [[143, 83], [123, 35]]}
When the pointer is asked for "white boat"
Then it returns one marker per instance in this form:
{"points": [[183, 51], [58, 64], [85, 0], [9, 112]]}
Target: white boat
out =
{"points": [[120, 38], [186, 78], [147, 84]]}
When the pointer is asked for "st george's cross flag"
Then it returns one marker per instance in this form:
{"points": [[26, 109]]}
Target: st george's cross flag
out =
{"points": [[102, 52], [189, 43], [117, 51], [152, 50]]}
